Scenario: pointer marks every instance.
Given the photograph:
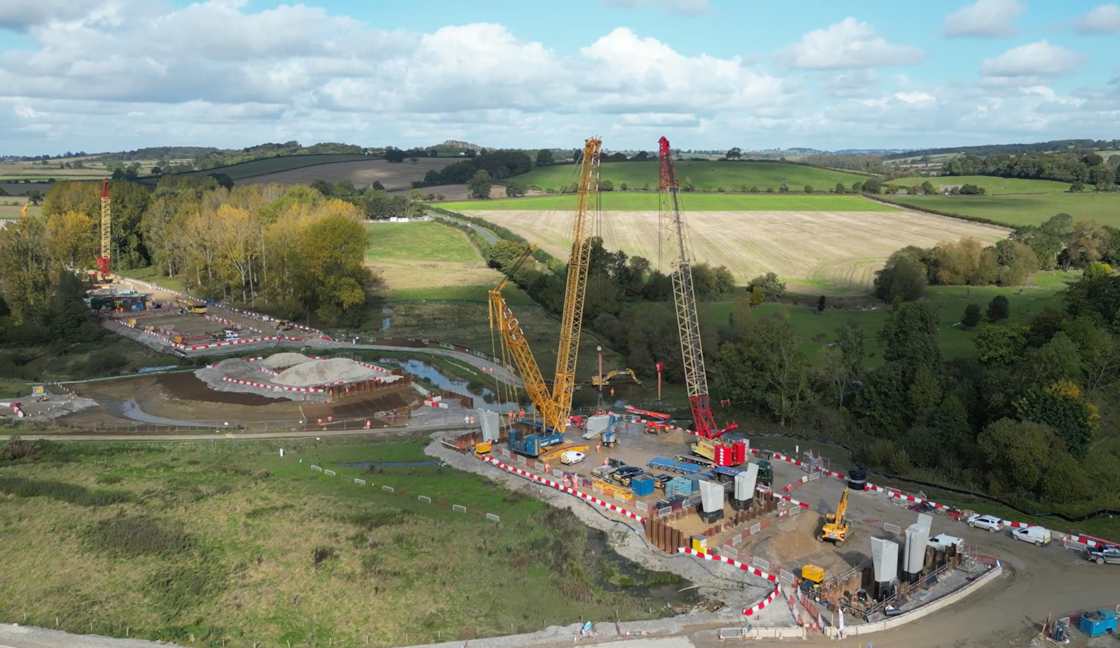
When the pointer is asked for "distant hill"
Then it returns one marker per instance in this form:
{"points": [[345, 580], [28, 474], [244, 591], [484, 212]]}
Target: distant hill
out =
{"points": [[1054, 146]]}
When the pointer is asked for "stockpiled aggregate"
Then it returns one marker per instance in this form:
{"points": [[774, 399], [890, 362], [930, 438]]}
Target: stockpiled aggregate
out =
{"points": [[323, 372]]}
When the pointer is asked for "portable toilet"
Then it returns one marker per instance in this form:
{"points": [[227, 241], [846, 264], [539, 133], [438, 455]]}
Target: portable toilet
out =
{"points": [[700, 543]]}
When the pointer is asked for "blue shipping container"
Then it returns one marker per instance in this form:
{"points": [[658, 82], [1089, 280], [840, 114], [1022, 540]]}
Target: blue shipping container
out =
{"points": [[678, 486], [642, 486]]}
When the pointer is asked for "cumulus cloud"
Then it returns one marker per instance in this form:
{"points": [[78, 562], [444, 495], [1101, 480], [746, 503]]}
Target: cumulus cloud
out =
{"points": [[847, 45], [678, 7], [985, 19], [1104, 19], [1039, 59], [121, 74], [20, 15]]}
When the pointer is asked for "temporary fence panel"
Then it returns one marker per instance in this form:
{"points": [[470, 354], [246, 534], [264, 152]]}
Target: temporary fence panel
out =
{"points": [[755, 528], [732, 633], [664, 511], [458, 508], [317, 468], [388, 489], [642, 506], [729, 551], [762, 563], [360, 482], [330, 473], [425, 499], [891, 528], [794, 511], [492, 517]]}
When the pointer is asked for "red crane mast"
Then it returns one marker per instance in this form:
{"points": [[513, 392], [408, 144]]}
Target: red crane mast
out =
{"points": [[684, 296]]}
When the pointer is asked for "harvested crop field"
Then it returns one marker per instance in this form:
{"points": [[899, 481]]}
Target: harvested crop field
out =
{"points": [[836, 251], [361, 172]]}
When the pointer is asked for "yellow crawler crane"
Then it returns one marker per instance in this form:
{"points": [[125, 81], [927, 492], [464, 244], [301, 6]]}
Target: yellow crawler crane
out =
{"points": [[555, 404]]}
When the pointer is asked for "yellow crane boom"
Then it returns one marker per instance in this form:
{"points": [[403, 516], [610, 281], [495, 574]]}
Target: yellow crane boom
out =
{"points": [[555, 404]]}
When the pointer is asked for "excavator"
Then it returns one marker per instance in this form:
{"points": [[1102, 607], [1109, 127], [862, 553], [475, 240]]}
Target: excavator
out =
{"points": [[617, 373], [709, 444], [554, 404], [836, 524]]}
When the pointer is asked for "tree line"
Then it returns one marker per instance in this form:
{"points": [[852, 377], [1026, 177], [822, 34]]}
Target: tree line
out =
{"points": [[497, 165], [1088, 168], [1018, 420], [1083, 145], [295, 248]]}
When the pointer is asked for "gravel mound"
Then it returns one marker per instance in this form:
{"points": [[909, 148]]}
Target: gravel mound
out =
{"points": [[279, 361], [322, 372]]}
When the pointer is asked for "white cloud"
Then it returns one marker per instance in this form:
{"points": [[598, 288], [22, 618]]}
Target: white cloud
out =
{"points": [[985, 19], [1039, 59], [19, 15], [847, 45], [1104, 19], [122, 74], [678, 7]]}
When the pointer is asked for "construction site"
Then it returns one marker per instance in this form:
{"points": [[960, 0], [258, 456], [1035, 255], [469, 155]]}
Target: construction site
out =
{"points": [[814, 550]]}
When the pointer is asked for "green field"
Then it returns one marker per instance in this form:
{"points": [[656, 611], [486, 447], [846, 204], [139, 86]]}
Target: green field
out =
{"points": [[272, 165], [229, 544], [1026, 302], [732, 176], [1017, 210], [424, 241], [624, 201], [994, 185], [152, 274]]}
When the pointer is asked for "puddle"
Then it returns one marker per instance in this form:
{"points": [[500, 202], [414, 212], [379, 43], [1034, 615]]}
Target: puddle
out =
{"points": [[387, 464], [421, 369], [663, 589]]}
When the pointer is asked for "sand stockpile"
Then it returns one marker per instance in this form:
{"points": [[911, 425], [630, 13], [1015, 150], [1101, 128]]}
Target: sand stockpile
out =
{"points": [[322, 372], [278, 361]]}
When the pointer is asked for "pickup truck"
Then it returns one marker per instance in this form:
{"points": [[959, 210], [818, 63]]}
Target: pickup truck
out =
{"points": [[1110, 555]]}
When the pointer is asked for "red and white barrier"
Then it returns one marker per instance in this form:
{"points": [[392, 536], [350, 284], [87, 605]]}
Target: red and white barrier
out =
{"points": [[757, 607], [430, 402], [306, 390], [214, 345], [803, 505], [563, 488]]}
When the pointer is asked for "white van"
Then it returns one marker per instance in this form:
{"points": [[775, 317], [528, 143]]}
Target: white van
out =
{"points": [[1036, 535], [943, 541]]}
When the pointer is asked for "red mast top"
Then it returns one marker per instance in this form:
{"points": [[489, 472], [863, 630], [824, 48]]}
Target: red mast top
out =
{"points": [[105, 188]]}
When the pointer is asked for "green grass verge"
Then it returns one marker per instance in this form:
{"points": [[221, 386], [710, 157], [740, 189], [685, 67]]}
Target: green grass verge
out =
{"points": [[424, 241], [1018, 210], [729, 175], [152, 274], [950, 300], [215, 544], [641, 201]]}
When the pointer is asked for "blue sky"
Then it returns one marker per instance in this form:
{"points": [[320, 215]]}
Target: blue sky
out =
{"points": [[118, 74]]}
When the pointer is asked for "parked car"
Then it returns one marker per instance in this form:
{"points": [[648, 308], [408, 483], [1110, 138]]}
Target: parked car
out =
{"points": [[1109, 554], [922, 507], [989, 522], [943, 541], [1035, 535], [571, 457]]}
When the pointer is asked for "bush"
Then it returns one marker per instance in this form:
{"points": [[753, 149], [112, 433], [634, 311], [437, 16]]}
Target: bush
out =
{"points": [[17, 449], [133, 537], [999, 309], [70, 493], [104, 362]]}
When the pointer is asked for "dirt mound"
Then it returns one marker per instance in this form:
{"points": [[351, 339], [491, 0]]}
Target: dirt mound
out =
{"points": [[797, 538], [278, 361], [322, 372]]}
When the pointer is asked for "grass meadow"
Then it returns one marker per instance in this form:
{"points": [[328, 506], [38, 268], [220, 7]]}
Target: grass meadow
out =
{"points": [[996, 185], [429, 260], [732, 176], [214, 544], [1025, 209]]}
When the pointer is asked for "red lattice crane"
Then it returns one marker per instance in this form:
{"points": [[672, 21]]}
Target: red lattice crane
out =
{"points": [[106, 232], [684, 295]]}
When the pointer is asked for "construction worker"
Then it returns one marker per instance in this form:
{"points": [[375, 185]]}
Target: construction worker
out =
{"points": [[597, 446]]}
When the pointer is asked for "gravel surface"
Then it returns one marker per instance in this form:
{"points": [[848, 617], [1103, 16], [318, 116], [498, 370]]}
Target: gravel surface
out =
{"points": [[323, 372], [280, 361], [18, 636]]}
